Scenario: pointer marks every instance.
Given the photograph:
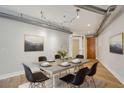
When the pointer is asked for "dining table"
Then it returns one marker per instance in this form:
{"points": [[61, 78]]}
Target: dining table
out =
{"points": [[55, 67]]}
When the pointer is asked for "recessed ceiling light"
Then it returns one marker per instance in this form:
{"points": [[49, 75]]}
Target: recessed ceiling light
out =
{"points": [[88, 32], [78, 17], [89, 25]]}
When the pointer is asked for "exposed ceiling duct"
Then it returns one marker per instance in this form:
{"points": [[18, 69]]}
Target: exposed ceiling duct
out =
{"points": [[92, 9], [107, 14], [98, 10], [31, 20]]}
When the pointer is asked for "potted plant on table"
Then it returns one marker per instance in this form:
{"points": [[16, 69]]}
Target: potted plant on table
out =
{"points": [[62, 53]]}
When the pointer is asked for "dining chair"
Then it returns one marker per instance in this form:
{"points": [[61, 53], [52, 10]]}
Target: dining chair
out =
{"points": [[80, 56], [58, 59], [77, 79], [42, 58], [91, 72], [36, 78], [57, 56]]}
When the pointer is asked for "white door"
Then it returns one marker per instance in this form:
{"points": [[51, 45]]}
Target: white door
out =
{"points": [[75, 46]]}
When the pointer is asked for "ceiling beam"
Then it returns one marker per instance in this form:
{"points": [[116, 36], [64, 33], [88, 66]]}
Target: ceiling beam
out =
{"points": [[92, 9], [101, 11], [102, 24], [106, 16], [5, 13]]}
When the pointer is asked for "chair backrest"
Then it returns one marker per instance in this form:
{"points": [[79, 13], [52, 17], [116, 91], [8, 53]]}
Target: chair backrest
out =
{"points": [[80, 76], [42, 58], [57, 57], [93, 69], [80, 56], [28, 73]]}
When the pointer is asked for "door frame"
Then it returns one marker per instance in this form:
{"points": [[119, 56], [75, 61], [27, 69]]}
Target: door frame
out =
{"points": [[82, 45], [92, 42]]}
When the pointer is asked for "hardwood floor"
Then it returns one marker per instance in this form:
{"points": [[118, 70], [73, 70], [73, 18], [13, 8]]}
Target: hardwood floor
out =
{"points": [[102, 74], [12, 82]]}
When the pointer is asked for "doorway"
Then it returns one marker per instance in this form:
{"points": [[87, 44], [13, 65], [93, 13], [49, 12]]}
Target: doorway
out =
{"points": [[75, 47], [91, 52]]}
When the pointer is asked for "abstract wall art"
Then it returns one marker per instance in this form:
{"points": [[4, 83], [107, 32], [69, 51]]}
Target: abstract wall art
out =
{"points": [[33, 43], [116, 44]]}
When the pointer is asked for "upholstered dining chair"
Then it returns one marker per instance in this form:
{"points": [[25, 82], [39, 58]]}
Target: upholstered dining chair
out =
{"points": [[35, 79]]}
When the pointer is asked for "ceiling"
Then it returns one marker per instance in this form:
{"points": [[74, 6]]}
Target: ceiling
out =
{"points": [[103, 6], [55, 13]]}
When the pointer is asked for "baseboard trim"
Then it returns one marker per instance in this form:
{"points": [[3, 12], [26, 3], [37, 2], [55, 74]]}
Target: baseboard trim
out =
{"points": [[13, 74], [113, 72]]}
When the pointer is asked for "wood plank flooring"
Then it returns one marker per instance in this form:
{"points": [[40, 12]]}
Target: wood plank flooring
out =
{"points": [[102, 74]]}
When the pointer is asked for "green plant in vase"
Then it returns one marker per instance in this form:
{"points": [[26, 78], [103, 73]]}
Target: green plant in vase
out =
{"points": [[62, 53]]}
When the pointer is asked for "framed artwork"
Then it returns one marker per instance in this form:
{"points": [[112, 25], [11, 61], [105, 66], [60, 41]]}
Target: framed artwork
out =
{"points": [[116, 44], [33, 43]]}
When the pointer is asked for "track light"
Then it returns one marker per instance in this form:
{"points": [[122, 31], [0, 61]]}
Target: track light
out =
{"points": [[70, 21], [77, 13]]}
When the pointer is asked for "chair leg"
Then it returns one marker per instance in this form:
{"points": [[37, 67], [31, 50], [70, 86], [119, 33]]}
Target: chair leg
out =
{"points": [[75, 68], [93, 82], [71, 86], [36, 85], [48, 75], [60, 74], [33, 85], [65, 85], [68, 71], [30, 85], [90, 80], [87, 82], [44, 84], [79, 86], [82, 66]]}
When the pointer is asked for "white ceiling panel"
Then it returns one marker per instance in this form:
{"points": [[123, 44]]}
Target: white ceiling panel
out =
{"points": [[56, 13]]}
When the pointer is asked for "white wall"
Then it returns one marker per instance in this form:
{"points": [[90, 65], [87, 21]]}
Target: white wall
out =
{"points": [[114, 62], [12, 44]]}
